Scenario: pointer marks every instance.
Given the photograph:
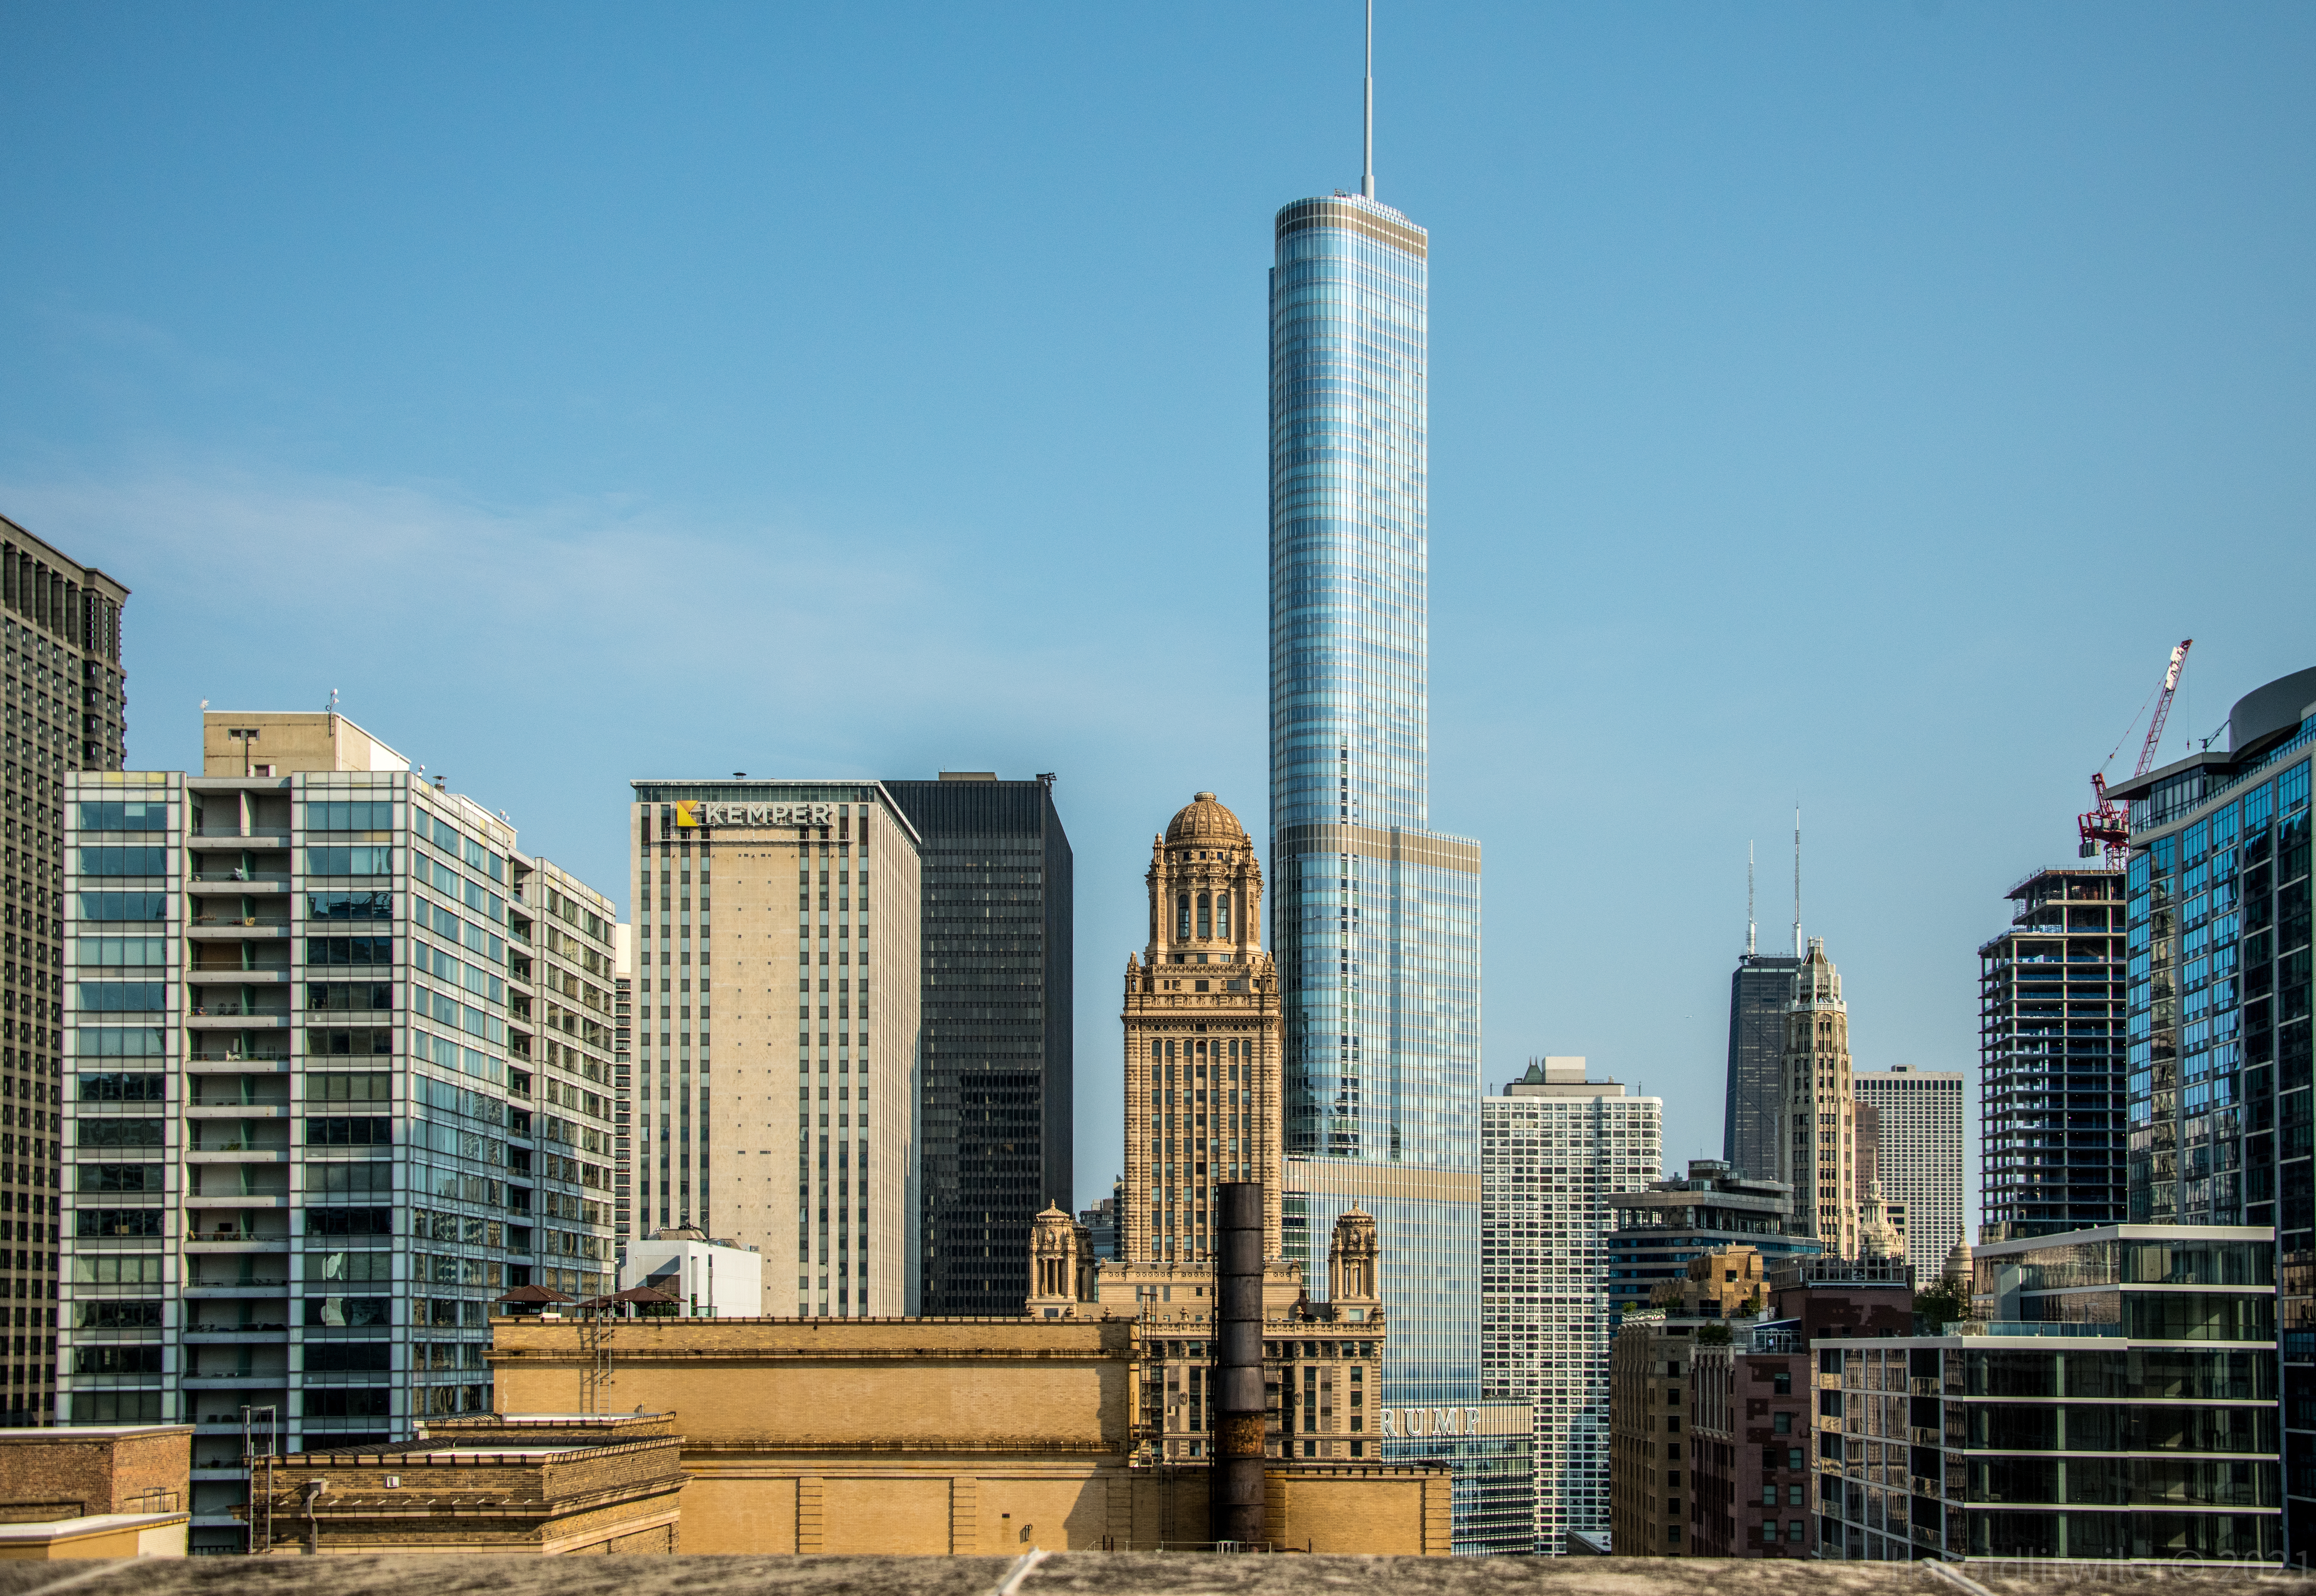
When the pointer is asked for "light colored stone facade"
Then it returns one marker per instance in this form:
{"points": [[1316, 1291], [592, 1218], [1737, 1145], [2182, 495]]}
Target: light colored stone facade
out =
{"points": [[1820, 1127], [936, 1436], [1202, 1041], [810, 925]]}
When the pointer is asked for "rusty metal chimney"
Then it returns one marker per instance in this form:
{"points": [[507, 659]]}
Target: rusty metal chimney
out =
{"points": [[1236, 1508]]}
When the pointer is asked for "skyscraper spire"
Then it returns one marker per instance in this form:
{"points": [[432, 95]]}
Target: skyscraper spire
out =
{"points": [[1748, 899], [1367, 152], [1797, 881]]}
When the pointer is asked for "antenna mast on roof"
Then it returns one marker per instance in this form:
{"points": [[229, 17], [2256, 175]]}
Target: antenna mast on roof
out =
{"points": [[1748, 899], [1367, 154], [1797, 881]]}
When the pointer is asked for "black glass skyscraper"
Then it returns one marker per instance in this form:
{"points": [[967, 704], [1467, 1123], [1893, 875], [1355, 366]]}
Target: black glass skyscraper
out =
{"points": [[995, 1064], [1760, 989]]}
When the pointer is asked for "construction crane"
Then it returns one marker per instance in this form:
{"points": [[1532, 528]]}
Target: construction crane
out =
{"points": [[2106, 826]]}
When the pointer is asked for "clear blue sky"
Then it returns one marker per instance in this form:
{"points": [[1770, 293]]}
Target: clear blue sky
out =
{"points": [[1844, 401]]}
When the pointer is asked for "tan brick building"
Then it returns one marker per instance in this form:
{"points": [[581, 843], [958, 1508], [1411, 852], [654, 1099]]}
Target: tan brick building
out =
{"points": [[935, 1436], [548, 1485]]}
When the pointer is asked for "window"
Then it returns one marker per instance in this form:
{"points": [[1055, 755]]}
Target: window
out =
{"points": [[350, 861], [333, 1312], [123, 949], [124, 817], [337, 815], [118, 997], [1183, 918], [121, 1133], [1222, 914], [349, 950], [1206, 915], [124, 861], [117, 907], [348, 906], [1781, 1424]]}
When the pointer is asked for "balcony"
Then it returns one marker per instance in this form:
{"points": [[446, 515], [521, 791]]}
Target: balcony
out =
{"points": [[256, 842], [256, 880], [222, 928]]}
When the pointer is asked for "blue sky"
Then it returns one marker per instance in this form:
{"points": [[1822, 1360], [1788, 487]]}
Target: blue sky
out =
{"points": [[1843, 401]]}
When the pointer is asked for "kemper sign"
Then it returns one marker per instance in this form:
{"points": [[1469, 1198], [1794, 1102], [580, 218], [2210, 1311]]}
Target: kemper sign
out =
{"points": [[693, 813], [1408, 1423]]}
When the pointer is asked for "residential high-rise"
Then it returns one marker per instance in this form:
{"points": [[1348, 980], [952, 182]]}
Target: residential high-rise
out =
{"points": [[1554, 1151], [1658, 1229], [2217, 992], [1918, 1154], [1760, 989], [712, 1141], [2050, 1061], [996, 1099], [2161, 1391], [623, 992], [1376, 919], [60, 646], [342, 1080], [1819, 1139]]}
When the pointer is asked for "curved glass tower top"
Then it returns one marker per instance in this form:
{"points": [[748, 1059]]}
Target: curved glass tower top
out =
{"points": [[1347, 724]]}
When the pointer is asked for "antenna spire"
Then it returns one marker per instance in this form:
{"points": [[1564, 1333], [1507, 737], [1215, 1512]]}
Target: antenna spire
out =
{"points": [[1797, 881], [1748, 899], [1367, 154]]}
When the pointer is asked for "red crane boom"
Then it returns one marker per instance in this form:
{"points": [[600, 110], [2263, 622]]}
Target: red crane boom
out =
{"points": [[2106, 826]]}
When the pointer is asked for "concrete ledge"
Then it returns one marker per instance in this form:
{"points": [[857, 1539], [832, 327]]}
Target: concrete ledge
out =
{"points": [[1132, 1573], [96, 1535]]}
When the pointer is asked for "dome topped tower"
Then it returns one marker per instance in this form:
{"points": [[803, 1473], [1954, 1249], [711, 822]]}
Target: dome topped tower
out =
{"points": [[1201, 1040]]}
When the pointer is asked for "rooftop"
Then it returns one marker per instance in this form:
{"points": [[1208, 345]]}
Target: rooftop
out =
{"points": [[1078, 1573]]}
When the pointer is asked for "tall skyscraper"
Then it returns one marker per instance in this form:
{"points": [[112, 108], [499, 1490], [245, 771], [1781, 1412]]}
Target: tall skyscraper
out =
{"points": [[2051, 1059], [712, 1143], [1819, 1139], [2218, 993], [342, 1080], [1376, 919], [1760, 990], [996, 1100], [60, 626], [1918, 1156], [1555, 1149]]}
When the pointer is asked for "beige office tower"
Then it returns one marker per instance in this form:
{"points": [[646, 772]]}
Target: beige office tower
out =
{"points": [[1820, 1126], [802, 898], [1202, 1034]]}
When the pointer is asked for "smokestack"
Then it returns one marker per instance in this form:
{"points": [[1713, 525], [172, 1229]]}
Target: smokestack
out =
{"points": [[1235, 1513]]}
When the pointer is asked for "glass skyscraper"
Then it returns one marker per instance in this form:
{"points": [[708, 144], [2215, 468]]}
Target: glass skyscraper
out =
{"points": [[1375, 918]]}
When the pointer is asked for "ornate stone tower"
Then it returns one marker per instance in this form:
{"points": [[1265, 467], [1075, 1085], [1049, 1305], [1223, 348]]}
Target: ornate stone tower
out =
{"points": [[1352, 1265], [1820, 1144], [1202, 1042], [1061, 1266]]}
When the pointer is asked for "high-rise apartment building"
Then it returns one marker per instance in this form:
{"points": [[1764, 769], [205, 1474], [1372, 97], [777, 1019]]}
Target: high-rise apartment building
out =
{"points": [[1657, 1230], [623, 988], [1821, 1129], [60, 647], [2217, 993], [1375, 919], [818, 885], [1760, 990], [1918, 1154], [2050, 1061], [997, 1096], [1554, 1151], [342, 1076]]}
